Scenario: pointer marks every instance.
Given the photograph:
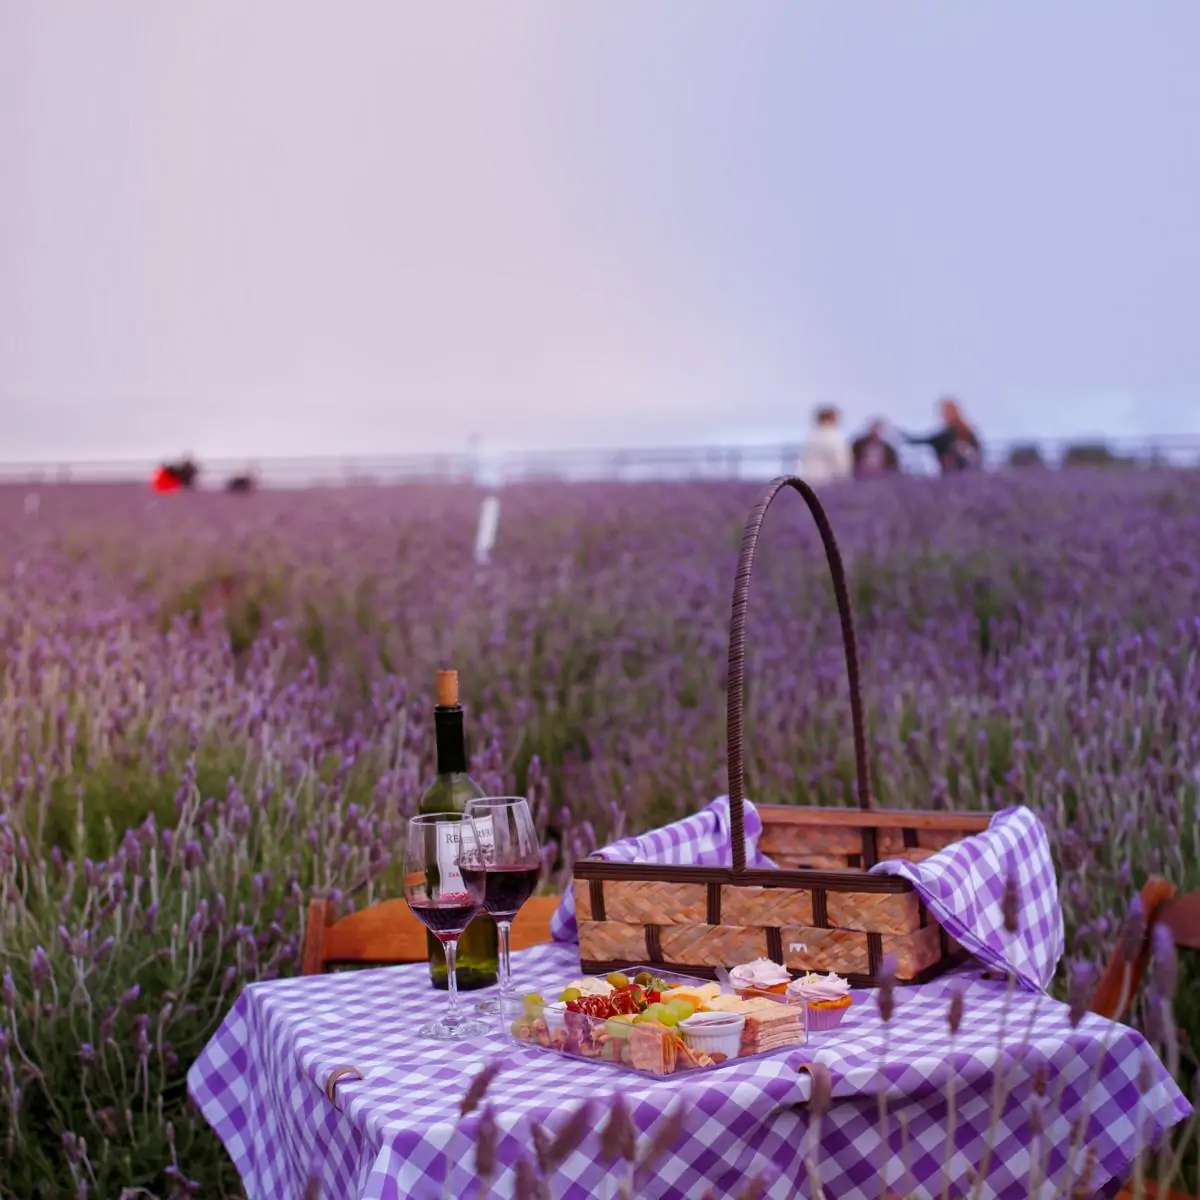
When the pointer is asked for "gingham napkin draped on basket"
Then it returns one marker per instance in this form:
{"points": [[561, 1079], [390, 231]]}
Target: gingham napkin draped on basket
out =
{"points": [[963, 885]]}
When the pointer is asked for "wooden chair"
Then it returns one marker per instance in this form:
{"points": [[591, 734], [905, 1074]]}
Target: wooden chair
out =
{"points": [[1161, 904], [388, 933], [1153, 1192], [1113, 995]]}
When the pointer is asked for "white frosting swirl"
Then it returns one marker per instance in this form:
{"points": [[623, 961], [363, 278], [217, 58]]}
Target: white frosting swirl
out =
{"points": [[818, 987], [761, 973]]}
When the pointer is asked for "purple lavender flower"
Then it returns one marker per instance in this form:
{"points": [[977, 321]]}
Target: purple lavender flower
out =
{"points": [[1165, 961], [955, 1014], [886, 995], [1081, 977], [1011, 906], [1133, 932], [141, 1034], [40, 970]]}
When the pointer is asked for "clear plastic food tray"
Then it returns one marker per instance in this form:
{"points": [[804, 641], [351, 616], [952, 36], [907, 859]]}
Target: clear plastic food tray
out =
{"points": [[646, 1048]]}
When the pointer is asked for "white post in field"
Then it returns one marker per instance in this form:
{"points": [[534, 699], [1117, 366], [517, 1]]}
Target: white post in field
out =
{"points": [[489, 478], [485, 533]]}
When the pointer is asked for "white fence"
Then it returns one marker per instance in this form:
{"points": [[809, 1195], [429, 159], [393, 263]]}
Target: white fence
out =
{"points": [[696, 462]]}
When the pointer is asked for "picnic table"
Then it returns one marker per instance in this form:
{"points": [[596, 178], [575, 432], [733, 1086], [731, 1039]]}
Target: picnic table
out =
{"points": [[392, 1129]]}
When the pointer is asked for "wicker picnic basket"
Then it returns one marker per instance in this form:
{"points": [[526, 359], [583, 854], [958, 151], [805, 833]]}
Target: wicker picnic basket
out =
{"points": [[820, 910]]}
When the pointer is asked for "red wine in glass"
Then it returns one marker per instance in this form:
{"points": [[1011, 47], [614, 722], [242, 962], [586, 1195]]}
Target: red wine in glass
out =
{"points": [[447, 916], [506, 888]]}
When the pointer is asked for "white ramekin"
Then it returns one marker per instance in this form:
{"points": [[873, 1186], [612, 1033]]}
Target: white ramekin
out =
{"points": [[714, 1033], [555, 1016]]}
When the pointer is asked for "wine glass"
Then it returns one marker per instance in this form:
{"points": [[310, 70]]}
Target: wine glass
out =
{"points": [[443, 884], [512, 862]]}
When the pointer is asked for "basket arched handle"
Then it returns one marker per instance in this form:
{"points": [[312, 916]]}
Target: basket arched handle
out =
{"points": [[735, 698]]}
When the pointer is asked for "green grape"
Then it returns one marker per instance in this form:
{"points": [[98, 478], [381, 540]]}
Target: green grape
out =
{"points": [[618, 981], [570, 994]]}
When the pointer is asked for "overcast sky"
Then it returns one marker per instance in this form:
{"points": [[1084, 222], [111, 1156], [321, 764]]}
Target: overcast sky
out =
{"points": [[298, 227]]}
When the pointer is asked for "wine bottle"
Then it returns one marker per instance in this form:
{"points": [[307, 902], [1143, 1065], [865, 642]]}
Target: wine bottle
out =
{"points": [[478, 948]]}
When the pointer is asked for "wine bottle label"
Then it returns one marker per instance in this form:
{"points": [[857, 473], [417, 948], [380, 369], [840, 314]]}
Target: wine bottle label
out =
{"points": [[487, 837], [448, 840]]}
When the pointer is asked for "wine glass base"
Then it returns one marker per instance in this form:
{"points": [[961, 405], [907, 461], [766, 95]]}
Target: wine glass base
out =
{"points": [[442, 1030], [490, 1006]]}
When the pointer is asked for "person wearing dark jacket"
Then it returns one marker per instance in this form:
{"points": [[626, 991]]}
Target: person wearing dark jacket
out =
{"points": [[873, 454], [956, 444], [174, 477]]}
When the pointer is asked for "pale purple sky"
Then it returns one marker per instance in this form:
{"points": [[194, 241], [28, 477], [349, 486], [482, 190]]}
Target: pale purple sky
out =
{"points": [[297, 227]]}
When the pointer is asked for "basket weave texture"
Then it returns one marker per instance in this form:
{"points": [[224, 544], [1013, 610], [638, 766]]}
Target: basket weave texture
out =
{"points": [[821, 910]]}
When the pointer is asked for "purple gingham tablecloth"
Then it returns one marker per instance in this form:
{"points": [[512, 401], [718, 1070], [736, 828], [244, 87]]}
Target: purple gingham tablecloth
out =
{"points": [[964, 885], [395, 1132]]}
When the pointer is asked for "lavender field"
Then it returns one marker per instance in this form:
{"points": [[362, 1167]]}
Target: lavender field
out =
{"points": [[212, 706]]}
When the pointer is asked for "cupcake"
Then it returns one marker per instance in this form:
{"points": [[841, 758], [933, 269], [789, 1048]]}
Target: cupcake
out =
{"points": [[762, 976], [827, 998]]}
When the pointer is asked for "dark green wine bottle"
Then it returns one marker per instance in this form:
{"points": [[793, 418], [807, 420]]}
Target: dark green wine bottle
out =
{"points": [[478, 949]]}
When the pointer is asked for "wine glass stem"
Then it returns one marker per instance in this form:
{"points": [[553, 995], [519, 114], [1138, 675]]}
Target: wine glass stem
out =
{"points": [[505, 966], [452, 981]]}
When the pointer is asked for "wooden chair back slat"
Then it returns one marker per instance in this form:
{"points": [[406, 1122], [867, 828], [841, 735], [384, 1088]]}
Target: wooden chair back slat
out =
{"points": [[387, 933], [1153, 1192], [1181, 915], [1118, 986]]}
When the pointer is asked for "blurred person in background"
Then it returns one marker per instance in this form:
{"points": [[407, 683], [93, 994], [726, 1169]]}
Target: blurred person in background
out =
{"points": [[826, 455], [241, 484], [164, 480], [873, 454], [174, 477], [956, 444]]}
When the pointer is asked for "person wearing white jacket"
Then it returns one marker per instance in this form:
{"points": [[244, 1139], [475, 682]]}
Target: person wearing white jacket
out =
{"points": [[826, 457]]}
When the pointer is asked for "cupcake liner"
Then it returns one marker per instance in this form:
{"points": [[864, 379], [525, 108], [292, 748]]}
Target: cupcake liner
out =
{"points": [[773, 993], [822, 1019]]}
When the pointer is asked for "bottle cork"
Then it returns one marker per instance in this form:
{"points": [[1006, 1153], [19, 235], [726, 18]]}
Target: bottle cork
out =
{"points": [[447, 689]]}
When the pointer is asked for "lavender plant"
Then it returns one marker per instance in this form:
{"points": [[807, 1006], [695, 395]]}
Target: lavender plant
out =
{"points": [[211, 710]]}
